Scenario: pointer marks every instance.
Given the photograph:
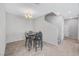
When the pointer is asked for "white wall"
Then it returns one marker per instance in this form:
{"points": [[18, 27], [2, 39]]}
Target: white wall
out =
{"points": [[51, 31], [66, 32], [46, 28], [58, 22], [71, 28], [78, 28], [2, 30], [16, 26]]}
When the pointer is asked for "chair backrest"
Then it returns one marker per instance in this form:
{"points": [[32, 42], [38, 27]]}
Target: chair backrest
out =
{"points": [[38, 36], [40, 33], [26, 34]]}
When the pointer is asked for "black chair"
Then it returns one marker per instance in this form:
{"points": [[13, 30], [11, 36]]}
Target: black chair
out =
{"points": [[28, 41], [41, 41], [26, 38], [38, 42]]}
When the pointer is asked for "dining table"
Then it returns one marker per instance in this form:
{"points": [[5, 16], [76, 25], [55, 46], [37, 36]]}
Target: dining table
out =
{"points": [[32, 40]]}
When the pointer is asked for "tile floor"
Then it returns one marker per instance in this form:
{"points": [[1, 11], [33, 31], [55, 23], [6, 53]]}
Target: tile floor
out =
{"points": [[70, 47]]}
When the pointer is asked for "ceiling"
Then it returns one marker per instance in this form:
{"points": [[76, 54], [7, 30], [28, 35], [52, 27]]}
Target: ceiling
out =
{"points": [[67, 10]]}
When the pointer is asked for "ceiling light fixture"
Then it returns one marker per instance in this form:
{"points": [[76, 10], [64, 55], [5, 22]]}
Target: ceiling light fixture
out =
{"points": [[28, 14]]}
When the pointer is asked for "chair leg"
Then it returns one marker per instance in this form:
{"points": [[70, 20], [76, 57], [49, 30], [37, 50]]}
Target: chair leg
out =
{"points": [[29, 44], [41, 44], [29, 47], [33, 43], [36, 46], [25, 42]]}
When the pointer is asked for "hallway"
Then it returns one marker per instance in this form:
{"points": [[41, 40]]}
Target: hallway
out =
{"points": [[69, 47]]}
